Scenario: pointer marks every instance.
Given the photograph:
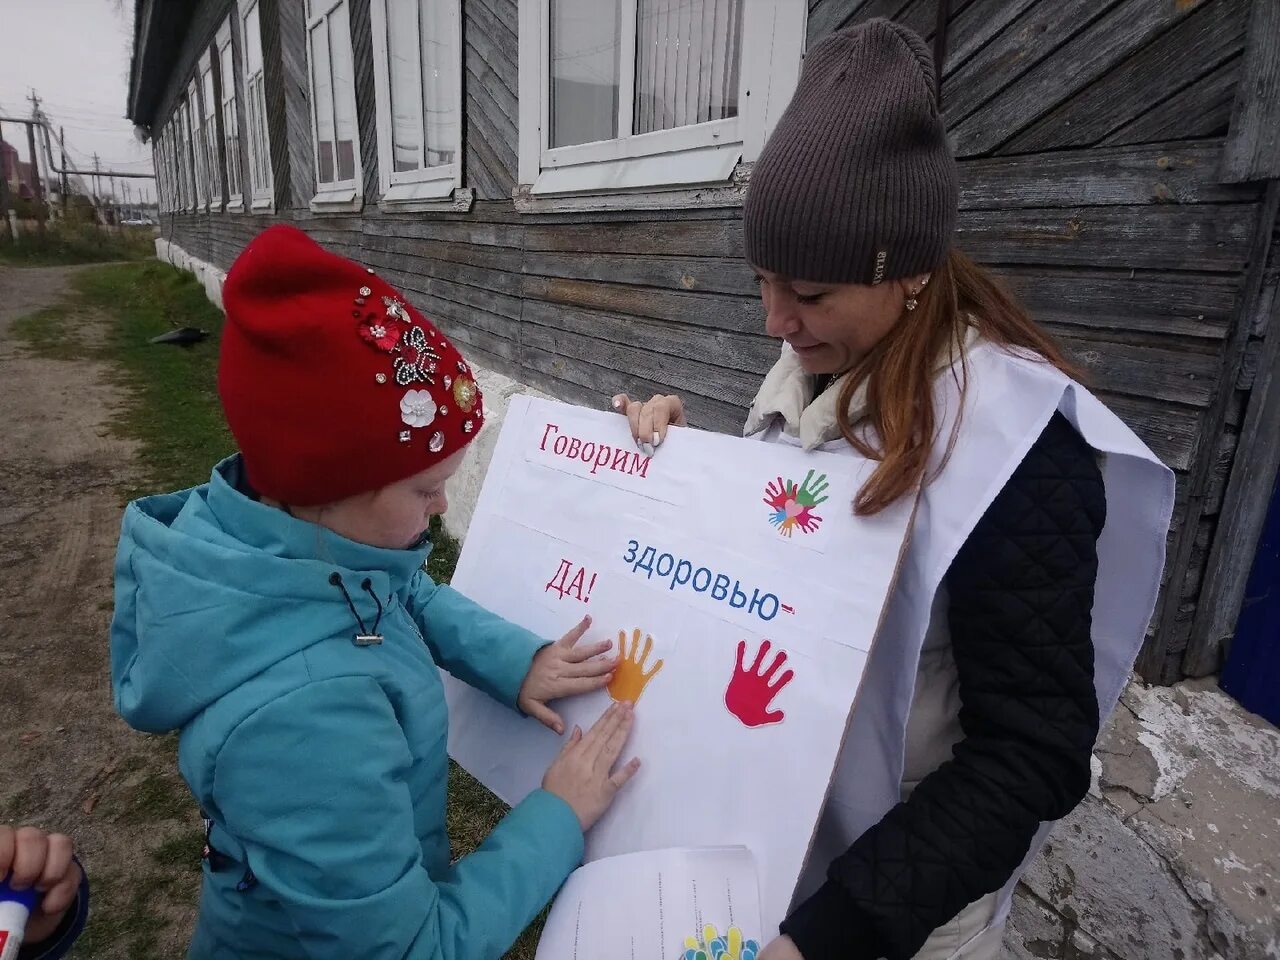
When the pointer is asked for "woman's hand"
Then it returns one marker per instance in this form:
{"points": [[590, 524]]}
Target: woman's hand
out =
{"points": [[562, 669], [44, 861], [780, 949], [649, 420], [582, 776]]}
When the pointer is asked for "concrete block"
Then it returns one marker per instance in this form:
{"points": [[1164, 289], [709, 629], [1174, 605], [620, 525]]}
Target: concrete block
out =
{"points": [[1033, 931], [1100, 874]]}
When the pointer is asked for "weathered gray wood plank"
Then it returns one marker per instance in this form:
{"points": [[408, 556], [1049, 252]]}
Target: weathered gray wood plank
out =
{"points": [[737, 351], [1203, 41], [711, 275], [705, 310], [504, 259], [1038, 31], [1192, 305], [973, 27], [1253, 145], [828, 16], [479, 166], [1158, 173], [592, 385], [685, 376], [1201, 110], [500, 136], [710, 238], [496, 41], [428, 285], [1209, 237], [492, 66], [1170, 430], [1163, 663], [449, 231], [1160, 373], [1087, 56], [494, 280]]}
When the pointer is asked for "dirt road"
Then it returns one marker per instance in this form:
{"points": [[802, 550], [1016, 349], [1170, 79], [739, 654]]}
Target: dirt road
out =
{"points": [[69, 762]]}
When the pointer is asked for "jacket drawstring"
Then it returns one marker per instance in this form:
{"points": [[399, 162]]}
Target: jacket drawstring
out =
{"points": [[366, 637]]}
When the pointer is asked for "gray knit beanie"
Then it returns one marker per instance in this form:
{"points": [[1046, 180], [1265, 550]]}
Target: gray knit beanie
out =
{"points": [[857, 183]]}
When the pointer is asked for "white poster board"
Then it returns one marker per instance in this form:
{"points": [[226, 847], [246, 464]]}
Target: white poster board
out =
{"points": [[660, 903], [754, 552]]}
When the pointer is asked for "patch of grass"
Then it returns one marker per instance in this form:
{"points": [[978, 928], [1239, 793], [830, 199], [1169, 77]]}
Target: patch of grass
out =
{"points": [[52, 332], [444, 552], [175, 411], [182, 851], [72, 243], [157, 797]]}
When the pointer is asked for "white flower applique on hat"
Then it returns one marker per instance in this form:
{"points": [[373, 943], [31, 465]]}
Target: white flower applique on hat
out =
{"points": [[417, 408]]}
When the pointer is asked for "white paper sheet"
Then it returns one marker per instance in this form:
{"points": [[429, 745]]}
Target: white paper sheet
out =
{"points": [[733, 752], [659, 904]]}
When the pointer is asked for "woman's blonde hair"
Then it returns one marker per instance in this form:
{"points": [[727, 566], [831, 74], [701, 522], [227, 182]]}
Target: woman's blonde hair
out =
{"points": [[899, 424]]}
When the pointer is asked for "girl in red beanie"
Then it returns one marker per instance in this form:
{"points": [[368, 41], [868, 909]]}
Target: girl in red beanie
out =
{"points": [[280, 619]]}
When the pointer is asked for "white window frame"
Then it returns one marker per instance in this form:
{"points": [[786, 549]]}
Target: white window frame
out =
{"points": [[209, 132], [427, 188], [340, 194], [633, 167], [230, 115], [262, 197], [201, 176], [191, 200]]}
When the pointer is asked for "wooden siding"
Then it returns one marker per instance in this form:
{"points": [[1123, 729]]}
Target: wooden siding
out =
{"points": [[1090, 135]]}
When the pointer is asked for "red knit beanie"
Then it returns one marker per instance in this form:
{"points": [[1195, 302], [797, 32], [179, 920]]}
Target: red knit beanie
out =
{"points": [[332, 384]]}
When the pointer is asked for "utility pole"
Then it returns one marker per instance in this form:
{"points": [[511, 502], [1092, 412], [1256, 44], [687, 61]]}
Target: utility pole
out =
{"points": [[96, 189], [62, 143], [35, 170]]}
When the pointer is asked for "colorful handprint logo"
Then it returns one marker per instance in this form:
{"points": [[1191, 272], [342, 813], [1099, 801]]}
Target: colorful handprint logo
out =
{"points": [[713, 946], [630, 678], [751, 691], [792, 506]]}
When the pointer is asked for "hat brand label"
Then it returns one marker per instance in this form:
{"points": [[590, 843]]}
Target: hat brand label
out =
{"points": [[881, 257]]}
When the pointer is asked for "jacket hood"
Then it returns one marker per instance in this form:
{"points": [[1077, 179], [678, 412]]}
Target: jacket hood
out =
{"points": [[213, 587]]}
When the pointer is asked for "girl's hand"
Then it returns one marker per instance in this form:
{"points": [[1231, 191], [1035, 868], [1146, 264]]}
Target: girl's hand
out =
{"points": [[649, 420], [44, 861], [562, 669], [782, 948], [582, 775]]}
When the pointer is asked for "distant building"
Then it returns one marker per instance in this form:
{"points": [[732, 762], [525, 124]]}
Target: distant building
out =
{"points": [[19, 175]]}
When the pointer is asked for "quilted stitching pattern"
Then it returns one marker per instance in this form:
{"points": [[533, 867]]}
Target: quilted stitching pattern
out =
{"points": [[1021, 593]]}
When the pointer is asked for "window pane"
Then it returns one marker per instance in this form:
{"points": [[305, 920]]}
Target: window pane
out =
{"points": [[687, 62], [406, 94], [440, 80], [585, 61], [252, 42], [344, 94], [322, 101]]}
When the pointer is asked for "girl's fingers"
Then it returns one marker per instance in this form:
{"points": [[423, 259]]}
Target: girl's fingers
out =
{"points": [[63, 893], [620, 776], [574, 635], [617, 739], [28, 857], [8, 843], [575, 686], [545, 716], [595, 738], [57, 861], [661, 417], [620, 403], [580, 654], [633, 416], [596, 667]]}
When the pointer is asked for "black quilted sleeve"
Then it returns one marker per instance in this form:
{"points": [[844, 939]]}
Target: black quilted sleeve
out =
{"points": [[1021, 593]]}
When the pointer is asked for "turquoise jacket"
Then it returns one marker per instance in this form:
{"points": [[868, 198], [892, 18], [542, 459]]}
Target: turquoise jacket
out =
{"points": [[321, 763]]}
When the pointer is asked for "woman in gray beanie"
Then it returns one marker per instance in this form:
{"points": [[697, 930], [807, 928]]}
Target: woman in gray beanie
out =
{"points": [[1037, 544]]}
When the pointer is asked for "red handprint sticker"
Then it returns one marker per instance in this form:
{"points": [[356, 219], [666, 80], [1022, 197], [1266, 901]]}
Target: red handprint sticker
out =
{"points": [[750, 692]]}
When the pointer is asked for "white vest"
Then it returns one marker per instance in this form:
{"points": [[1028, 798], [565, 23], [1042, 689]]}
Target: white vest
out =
{"points": [[1008, 403]]}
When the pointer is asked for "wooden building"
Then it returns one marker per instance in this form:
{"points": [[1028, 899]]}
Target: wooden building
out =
{"points": [[559, 184]]}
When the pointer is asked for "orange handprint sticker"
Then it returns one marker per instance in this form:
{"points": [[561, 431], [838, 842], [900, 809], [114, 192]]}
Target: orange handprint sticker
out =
{"points": [[751, 691], [630, 678]]}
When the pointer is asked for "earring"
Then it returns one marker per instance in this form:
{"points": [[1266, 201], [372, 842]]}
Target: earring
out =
{"points": [[913, 300]]}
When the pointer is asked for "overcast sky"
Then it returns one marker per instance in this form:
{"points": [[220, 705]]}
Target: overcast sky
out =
{"points": [[75, 53]]}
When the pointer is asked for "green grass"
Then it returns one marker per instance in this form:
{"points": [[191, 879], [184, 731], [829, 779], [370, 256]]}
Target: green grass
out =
{"points": [[173, 413], [72, 243]]}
